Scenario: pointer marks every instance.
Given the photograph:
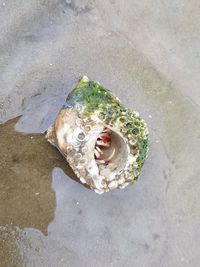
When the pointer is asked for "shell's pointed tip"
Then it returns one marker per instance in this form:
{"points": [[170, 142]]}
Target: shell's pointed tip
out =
{"points": [[85, 78]]}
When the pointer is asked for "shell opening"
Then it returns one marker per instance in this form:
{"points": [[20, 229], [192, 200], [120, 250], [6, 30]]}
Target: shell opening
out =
{"points": [[110, 153]]}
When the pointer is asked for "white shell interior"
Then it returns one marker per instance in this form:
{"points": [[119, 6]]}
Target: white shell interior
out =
{"points": [[119, 160]]}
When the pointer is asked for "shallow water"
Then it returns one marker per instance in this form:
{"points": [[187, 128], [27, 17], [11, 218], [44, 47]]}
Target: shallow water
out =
{"points": [[146, 53], [27, 199]]}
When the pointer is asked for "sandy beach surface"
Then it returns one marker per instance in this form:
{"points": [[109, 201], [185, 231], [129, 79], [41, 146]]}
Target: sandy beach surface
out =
{"points": [[148, 53]]}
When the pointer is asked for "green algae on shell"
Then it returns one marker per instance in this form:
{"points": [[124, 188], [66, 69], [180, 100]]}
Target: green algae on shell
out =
{"points": [[89, 110]]}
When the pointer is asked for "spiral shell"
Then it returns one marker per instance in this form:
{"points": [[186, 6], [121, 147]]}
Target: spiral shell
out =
{"points": [[104, 143]]}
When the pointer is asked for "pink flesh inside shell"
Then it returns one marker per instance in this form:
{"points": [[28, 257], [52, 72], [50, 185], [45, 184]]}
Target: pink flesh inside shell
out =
{"points": [[103, 142]]}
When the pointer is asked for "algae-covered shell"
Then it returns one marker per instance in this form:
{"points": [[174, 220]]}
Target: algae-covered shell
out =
{"points": [[105, 143]]}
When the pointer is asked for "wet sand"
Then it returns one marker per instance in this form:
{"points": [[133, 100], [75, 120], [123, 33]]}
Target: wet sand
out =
{"points": [[147, 53]]}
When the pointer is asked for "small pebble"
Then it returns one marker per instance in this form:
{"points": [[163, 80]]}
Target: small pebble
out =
{"points": [[113, 184]]}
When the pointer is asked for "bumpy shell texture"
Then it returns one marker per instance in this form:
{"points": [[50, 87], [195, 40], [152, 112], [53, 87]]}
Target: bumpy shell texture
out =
{"points": [[105, 143]]}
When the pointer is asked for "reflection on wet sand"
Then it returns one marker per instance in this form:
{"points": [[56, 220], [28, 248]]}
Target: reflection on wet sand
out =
{"points": [[27, 198], [27, 160]]}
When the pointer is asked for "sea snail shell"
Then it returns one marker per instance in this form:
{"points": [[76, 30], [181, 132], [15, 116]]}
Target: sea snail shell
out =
{"points": [[104, 143]]}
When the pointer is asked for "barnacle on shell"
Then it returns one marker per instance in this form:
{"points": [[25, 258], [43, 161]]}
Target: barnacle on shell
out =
{"points": [[105, 143]]}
